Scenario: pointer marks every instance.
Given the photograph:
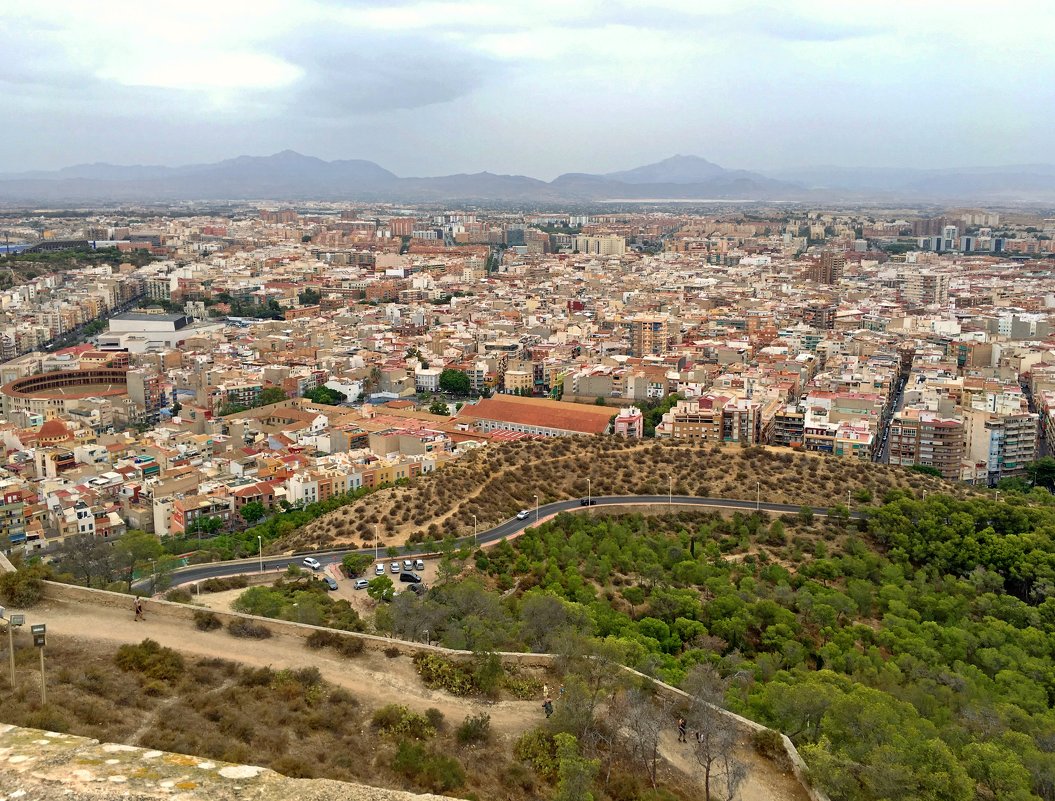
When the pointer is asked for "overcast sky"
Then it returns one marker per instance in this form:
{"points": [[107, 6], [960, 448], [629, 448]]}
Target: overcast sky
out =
{"points": [[537, 87]]}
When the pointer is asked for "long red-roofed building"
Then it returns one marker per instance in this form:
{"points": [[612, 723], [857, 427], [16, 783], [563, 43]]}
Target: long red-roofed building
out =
{"points": [[535, 416]]}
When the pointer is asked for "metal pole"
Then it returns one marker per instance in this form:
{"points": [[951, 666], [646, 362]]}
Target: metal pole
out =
{"points": [[670, 490], [260, 542], [758, 495], [376, 539], [11, 650], [589, 492], [536, 510], [43, 681], [474, 531]]}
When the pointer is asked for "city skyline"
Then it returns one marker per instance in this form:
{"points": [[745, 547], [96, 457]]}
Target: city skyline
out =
{"points": [[537, 88]]}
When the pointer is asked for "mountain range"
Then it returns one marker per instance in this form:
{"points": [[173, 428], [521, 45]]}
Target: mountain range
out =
{"points": [[292, 176]]}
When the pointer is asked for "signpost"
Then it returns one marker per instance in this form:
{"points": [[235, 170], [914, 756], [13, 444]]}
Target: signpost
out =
{"points": [[39, 631], [13, 620]]}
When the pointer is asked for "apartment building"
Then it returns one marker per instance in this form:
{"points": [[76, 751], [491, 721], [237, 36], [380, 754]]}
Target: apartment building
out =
{"points": [[923, 437]]}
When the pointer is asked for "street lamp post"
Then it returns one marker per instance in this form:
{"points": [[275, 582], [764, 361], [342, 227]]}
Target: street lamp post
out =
{"points": [[589, 492], [260, 543], [13, 620], [427, 642], [474, 531], [377, 539], [758, 495], [536, 510], [153, 576], [670, 490]]}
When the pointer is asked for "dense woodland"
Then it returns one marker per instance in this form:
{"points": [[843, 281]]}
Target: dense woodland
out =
{"points": [[909, 656]]}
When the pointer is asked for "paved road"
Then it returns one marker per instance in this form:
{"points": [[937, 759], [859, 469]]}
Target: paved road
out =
{"points": [[512, 526]]}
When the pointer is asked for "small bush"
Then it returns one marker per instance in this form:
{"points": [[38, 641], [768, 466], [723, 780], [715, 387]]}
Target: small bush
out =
{"points": [[396, 719], [770, 745], [538, 748], [526, 688], [392, 652], [439, 673], [248, 629], [474, 729], [178, 596], [151, 660], [223, 584], [25, 587], [435, 718], [344, 645], [429, 770], [207, 621]]}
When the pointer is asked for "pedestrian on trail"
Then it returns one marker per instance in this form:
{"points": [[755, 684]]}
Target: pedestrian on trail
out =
{"points": [[681, 731], [561, 693], [137, 605], [547, 706]]}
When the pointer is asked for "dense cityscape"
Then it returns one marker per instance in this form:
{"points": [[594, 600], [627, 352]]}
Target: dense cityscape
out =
{"points": [[202, 362]]}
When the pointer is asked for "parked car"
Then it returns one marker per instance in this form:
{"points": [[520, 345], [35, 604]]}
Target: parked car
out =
{"points": [[587, 502], [419, 564], [395, 567], [361, 584], [410, 578], [523, 514], [331, 582], [312, 562], [417, 589], [408, 564], [379, 569]]}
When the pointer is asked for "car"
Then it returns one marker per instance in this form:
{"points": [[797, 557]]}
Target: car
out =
{"points": [[410, 578], [362, 584], [417, 589], [587, 501], [330, 582], [395, 567], [312, 562], [523, 514], [408, 564], [379, 570], [419, 564]]}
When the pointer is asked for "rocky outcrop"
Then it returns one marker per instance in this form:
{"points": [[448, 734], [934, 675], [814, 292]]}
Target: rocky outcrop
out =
{"points": [[45, 765]]}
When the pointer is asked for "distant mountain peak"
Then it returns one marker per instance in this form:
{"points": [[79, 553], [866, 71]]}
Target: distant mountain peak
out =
{"points": [[677, 169]]}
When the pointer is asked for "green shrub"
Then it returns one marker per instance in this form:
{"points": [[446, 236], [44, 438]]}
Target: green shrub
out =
{"points": [[206, 621], [526, 688], [151, 660], [25, 587], [223, 584], [178, 596], [342, 644], [248, 629], [538, 748], [396, 719], [392, 652], [439, 673], [770, 744], [474, 729], [435, 718], [427, 769]]}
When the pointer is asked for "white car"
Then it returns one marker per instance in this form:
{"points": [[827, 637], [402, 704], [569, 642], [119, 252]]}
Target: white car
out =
{"points": [[361, 584], [523, 514], [379, 570], [312, 562], [395, 567]]}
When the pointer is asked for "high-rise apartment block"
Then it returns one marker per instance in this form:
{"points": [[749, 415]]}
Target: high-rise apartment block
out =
{"points": [[829, 270]]}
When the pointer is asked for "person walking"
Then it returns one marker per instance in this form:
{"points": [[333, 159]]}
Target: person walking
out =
{"points": [[681, 731], [547, 707], [137, 605]]}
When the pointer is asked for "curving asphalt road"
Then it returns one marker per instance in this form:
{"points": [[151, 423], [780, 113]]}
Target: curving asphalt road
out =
{"points": [[193, 573]]}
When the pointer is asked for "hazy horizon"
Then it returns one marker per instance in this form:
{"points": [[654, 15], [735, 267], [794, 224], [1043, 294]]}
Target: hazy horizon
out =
{"points": [[535, 88]]}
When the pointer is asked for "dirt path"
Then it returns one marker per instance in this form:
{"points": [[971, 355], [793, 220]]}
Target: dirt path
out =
{"points": [[372, 678], [375, 681]]}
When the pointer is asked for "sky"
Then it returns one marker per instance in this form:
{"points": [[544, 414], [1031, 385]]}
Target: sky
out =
{"points": [[538, 87]]}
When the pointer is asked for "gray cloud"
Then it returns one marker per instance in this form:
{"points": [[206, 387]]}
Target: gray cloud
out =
{"points": [[360, 73]]}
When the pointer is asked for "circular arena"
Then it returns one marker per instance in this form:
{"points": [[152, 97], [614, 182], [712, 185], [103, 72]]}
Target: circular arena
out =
{"points": [[48, 393]]}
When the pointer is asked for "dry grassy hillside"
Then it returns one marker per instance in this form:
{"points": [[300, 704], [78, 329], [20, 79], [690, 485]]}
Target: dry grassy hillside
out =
{"points": [[493, 483]]}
